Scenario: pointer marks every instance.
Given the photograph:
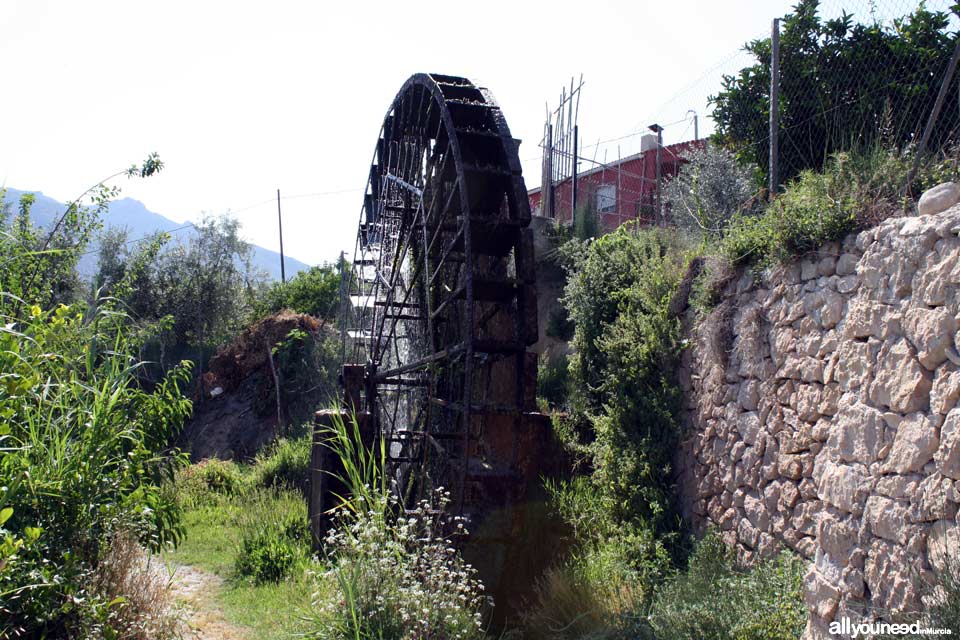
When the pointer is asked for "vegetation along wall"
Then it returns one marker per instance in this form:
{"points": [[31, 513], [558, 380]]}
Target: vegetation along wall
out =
{"points": [[821, 411]]}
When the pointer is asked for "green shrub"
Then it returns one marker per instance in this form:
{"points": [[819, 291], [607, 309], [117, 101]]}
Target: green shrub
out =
{"points": [[715, 600], [267, 556], [553, 379], [84, 459], [222, 477], [397, 577], [626, 348], [393, 573], [285, 464], [275, 535], [315, 291]]}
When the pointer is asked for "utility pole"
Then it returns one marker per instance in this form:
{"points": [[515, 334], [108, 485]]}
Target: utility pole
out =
{"points": [[283, 269], [696, 129], [656, 128], [774, 168]]}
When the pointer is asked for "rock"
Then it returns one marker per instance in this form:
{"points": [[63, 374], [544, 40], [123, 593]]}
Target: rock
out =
{"points": [[821, 596], [866, 317], [887, 518], [857, 434], [914, 445], [901, 383], [890, 572], [847, 264], [931, 500], [948, 454], [857, 368], [844, 486], [837, 538], [931, 333], [942, 544], [808, 399], [749, 395], [756, 513], [898, 487], [748, 424], [824, 306], [939, 198], [945, 390]]}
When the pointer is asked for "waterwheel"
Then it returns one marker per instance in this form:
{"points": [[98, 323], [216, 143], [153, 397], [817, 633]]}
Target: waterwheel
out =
{"points": [[439, 310], [442, 297]]}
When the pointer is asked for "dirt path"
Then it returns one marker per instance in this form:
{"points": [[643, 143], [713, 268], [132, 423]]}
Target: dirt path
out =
{"points": [[196, 590]]}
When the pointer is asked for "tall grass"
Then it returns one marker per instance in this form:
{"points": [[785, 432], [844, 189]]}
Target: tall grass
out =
{"points": [[393, 574], [86, 456]]}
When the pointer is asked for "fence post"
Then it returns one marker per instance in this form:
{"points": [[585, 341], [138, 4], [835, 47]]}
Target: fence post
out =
{"points": [[934, 114], [774, 168]]}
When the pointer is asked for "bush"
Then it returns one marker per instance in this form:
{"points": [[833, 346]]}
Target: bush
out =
{"points": [[275, 536], [266, 556], [85, 461], [393, 574], [398, 577], [855, 190], [626, 347], [553, 379], [709, 189], [222, 477], [138, 590], [315, 291], [715, 600], [286, 464]]}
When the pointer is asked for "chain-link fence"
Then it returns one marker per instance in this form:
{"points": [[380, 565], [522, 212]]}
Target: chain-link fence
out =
{"points": [[854, 75]]}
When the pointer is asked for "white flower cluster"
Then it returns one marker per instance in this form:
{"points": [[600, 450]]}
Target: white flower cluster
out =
{"points": [[398, 575]]}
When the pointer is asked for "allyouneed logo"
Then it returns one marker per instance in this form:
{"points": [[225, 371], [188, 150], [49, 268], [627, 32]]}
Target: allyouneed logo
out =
{"points": [[845, 627]]}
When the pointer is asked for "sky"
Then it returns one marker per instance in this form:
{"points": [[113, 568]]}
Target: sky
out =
{"points": [[243, 98]]}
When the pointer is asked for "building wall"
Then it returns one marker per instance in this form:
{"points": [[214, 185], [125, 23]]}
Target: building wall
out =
{"points": [[634, 181]]}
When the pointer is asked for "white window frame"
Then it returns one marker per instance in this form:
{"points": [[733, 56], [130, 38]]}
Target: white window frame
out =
{"points": [[606, 198]]}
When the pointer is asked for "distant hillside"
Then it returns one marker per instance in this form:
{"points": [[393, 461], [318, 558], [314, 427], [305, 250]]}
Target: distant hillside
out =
{"points": [[141, 222]]}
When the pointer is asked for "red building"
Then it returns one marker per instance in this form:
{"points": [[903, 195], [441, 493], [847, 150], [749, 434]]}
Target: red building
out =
{"points": [[620, 191]]}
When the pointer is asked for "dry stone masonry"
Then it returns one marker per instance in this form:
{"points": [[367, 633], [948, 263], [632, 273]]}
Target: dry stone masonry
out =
{"points": [[822, 415]]}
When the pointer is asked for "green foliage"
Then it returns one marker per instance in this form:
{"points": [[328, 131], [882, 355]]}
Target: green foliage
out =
{"points": [[559, 324], [396, 577], [393, 574], [315, 291], [626, 347], [836, 91], [715, 600], [274, 535], [266, 557], [200, 289], [196, 483], [306, 366], [709, 189], [38, 265], [553, 379], [285, 464], [85, 462], [855, 190]]}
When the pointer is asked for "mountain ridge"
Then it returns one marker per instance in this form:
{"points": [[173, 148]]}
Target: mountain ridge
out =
{"points": [[141, 222]]}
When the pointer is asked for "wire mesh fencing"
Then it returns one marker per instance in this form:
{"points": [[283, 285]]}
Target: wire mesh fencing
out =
{"points": [[854, 76]]}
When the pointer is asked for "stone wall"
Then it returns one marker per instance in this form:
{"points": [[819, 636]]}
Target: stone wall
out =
{"points": [[821, 410]]}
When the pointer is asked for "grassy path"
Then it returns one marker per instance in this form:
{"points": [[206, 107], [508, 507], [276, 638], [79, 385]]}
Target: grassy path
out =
{"points": [[198, 592], [224, 606]]}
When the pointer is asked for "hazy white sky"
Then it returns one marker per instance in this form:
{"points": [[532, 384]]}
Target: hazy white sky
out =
{"points": [[242, 98]]}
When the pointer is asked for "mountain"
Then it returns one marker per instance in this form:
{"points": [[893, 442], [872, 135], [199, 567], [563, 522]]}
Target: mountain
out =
{"points": [[141, 222]]}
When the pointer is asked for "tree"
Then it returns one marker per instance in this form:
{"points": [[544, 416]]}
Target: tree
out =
{"points": [[843, 86], [315, 291], [708, 190]]}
